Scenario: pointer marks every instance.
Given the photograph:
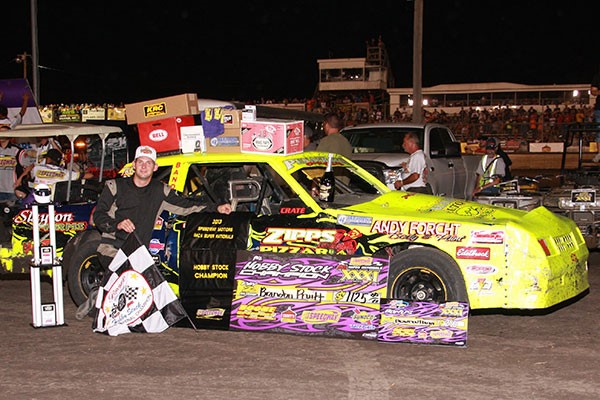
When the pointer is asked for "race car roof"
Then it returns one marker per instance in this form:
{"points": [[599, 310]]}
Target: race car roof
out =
{"points": [[72, 131]]}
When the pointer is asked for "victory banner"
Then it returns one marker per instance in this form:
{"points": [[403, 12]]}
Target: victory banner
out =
{"points": [[336, 296], [134, 296]]}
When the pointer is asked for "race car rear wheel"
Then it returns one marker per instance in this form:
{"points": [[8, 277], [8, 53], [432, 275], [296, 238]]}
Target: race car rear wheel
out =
{"points": [[425, 274], [85, 271]]}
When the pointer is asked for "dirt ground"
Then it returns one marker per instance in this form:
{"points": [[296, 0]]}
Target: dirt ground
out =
{"points": [[551, 356]]}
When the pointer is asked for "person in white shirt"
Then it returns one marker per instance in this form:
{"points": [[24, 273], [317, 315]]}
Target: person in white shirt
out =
{"points": [[48, 173], [414, 175], [8, 164], [12, 121]]}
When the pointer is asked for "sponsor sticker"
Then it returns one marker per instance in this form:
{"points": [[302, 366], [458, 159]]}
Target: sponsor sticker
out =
{"points": [[354, 220], [473, 253], [481, 269], [158, 135], [490, 237], [155, 246], [153, 110]]}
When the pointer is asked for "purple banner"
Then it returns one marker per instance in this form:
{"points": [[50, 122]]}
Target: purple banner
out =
{"points": [[11, 96], [424, 322], [328, 296]]}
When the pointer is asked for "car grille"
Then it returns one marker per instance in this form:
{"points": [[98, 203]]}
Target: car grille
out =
{"points": [[564, 242]]}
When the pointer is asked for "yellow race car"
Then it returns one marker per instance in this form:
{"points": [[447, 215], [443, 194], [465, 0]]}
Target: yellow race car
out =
{"points": [[437, 249]]}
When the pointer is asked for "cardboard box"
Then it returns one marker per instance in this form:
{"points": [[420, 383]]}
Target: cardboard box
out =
{"points": [[164, 134], [249, 113], [166, 107], [228, 142], [232, 118], [273, 136]]}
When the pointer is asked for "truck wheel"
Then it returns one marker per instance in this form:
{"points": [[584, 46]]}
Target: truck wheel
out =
{"points": [[85, 271], [425, 274]]}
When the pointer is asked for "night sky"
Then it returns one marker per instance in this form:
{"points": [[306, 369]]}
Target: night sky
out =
{"points": [[125, 51]]}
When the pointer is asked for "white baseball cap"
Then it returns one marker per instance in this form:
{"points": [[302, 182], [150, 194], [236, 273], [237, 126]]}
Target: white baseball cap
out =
{"points": [[145, 151]]}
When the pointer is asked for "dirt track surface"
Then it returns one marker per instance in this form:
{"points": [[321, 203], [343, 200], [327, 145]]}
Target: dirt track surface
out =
{"points": [[551, 356]]}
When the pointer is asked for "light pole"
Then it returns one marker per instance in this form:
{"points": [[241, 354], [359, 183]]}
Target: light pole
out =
{"points": [[35, 52], [417, 62], [22, 59]]}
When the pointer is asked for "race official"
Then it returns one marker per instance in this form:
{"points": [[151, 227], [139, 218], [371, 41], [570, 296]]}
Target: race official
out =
{"points": [[490, 171]]}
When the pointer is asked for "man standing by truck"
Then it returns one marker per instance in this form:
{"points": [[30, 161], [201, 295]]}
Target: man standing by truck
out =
{"points": [[413, 176]]}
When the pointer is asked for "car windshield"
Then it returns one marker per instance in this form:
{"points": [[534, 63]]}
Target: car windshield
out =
{"points": [[350, 187], [379, 139]]}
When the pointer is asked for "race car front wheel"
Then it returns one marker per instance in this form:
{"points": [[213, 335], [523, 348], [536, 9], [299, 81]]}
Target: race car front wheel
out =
{"points": [[425, 274], [85, 271]]}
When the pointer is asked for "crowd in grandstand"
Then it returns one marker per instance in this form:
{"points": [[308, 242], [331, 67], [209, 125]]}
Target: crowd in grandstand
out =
{"points": [[470, 123]]}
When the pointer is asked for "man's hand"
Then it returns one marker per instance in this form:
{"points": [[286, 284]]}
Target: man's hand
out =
{"points": [[126, 225], [224, 208]]}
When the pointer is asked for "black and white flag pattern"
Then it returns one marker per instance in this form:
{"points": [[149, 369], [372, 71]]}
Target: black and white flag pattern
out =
{"points": [[134, 296]]}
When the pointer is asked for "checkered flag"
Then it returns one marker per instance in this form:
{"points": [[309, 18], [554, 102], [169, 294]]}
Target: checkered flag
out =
{"points": [[134, 296]]}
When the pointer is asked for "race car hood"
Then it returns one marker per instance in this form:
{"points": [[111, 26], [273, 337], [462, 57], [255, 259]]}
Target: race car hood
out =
{"points": [[395, 203]]}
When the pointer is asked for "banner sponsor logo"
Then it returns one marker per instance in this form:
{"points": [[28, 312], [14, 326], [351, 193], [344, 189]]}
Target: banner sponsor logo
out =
{"points": [[210, 313], [321, 316]]}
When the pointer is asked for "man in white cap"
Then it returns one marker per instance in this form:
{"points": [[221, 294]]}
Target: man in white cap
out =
{"points": [[133, 204]]}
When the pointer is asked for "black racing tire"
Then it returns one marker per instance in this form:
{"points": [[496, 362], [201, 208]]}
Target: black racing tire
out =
{"points": [[425, 274], [84, 270]]}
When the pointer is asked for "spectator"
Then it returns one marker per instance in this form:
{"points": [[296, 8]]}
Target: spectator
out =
{"points": [[43, 145], [5, 119], [50, 172], [310, 139], [8, 164], [334, 141], [413, 176]]}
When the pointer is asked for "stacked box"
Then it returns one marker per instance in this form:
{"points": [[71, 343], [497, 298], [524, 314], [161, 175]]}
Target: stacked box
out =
{"points": [[272, 136], [166, 107], [164, 134], [228, 142]]}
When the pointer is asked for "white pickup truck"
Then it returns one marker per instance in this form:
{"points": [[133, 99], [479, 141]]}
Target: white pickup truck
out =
{"points": [[378, 149]]}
